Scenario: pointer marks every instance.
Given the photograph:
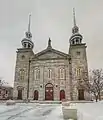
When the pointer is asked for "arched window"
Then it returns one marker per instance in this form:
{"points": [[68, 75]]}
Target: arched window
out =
{"points": [[62, 73], [49, 73], [73, 42], [24, 45], [28, 45], [78, 72], [6, 92], [76, 40], [22, 72], [37, 74]]}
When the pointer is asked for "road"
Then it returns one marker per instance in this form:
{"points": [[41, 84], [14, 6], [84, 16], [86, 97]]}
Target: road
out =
{"points": [[31, 111]]}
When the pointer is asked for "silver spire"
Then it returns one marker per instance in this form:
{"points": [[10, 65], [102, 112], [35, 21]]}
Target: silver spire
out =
{"points": [[74, 17], [29, 23], [75, 28], [28, 33]]}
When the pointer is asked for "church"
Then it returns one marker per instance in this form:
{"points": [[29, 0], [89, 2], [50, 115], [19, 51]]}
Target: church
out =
{"points": [[51, 74]]}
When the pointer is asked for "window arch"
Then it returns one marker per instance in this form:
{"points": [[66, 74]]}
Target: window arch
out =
{"points": [[62, 73], [21, 73]]}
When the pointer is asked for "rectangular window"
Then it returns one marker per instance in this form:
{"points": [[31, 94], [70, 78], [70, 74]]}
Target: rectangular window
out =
{"points": [[22, 74], [62, 73], [37, 74]]}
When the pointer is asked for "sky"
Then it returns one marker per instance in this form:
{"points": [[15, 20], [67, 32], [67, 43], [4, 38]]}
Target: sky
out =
{"points": [[49, 18]]}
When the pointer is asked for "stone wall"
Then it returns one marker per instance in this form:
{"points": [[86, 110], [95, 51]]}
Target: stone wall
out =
{"points": [[53, 62], [55, 80], [79, 62]]}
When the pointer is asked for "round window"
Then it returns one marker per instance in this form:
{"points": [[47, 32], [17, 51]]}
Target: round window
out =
{"points": [[22, 57]]}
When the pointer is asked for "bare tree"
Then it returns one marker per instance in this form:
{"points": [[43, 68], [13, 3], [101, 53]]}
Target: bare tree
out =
{"points": [[94, 83], [2, 82]]}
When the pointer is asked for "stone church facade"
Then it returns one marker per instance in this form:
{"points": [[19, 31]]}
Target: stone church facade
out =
{"points": [[51, 74]]}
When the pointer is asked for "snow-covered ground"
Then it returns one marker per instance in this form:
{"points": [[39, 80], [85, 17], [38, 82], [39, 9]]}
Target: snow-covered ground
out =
{"points": [[90, 111], [31, 111], [85, 110], [36, 111]]}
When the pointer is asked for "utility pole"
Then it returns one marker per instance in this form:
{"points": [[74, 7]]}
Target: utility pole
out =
{"points": [[71, 79]]}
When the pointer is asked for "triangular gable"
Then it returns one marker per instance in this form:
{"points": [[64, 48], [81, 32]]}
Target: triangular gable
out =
{"points": [[51, 54]]}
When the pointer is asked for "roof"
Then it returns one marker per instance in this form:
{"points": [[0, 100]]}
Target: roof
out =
{"points": [[50, 53]]}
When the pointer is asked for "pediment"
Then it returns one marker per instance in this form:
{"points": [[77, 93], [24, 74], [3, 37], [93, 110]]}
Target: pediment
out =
{"points": [[51, 54]]}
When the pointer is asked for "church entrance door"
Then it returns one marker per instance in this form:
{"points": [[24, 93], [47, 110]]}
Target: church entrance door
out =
{"points": [[35, 95], [19, 95], [49, 91], [62, 94], [81, 94]]}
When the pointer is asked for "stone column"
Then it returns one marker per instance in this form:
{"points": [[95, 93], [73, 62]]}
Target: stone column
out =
{"points": [[41, 86], [67, 83], [56, 84]]}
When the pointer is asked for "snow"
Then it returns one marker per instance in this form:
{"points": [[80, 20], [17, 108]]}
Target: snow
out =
{"points": [[31, 111], [90, 111], [86, 110], [36, 111]]}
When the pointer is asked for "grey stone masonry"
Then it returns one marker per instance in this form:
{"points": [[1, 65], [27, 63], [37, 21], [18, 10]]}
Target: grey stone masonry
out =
{"points": [[79, 65], [51, 74], [61, 67]]}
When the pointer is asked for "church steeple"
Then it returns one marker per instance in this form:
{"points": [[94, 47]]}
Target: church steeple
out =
{"points": [[28, 33], [76, 38], [74, 17], [75, 29], [27, 42]]}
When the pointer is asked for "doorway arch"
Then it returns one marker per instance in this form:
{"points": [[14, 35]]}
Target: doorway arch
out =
{"points": [[62, 94], [19, 95], [36, 94], [49, 92]]}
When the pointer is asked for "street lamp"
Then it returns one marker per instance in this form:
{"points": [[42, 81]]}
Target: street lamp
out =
{"points": [[28, 82]]}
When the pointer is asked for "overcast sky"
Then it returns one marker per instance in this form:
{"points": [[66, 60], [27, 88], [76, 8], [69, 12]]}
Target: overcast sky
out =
{"points": [[50, 18]]}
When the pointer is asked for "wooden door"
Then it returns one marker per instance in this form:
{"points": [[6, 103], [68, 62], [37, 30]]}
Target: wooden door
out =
{"points": [[35, 95], [49, 92], [62, 94], [81, 94], [19, 95]]}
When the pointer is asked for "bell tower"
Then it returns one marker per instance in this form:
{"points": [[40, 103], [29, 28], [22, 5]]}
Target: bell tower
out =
{"points": [[76, 37], [77, 51], [22, 67], [27, 42]]}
